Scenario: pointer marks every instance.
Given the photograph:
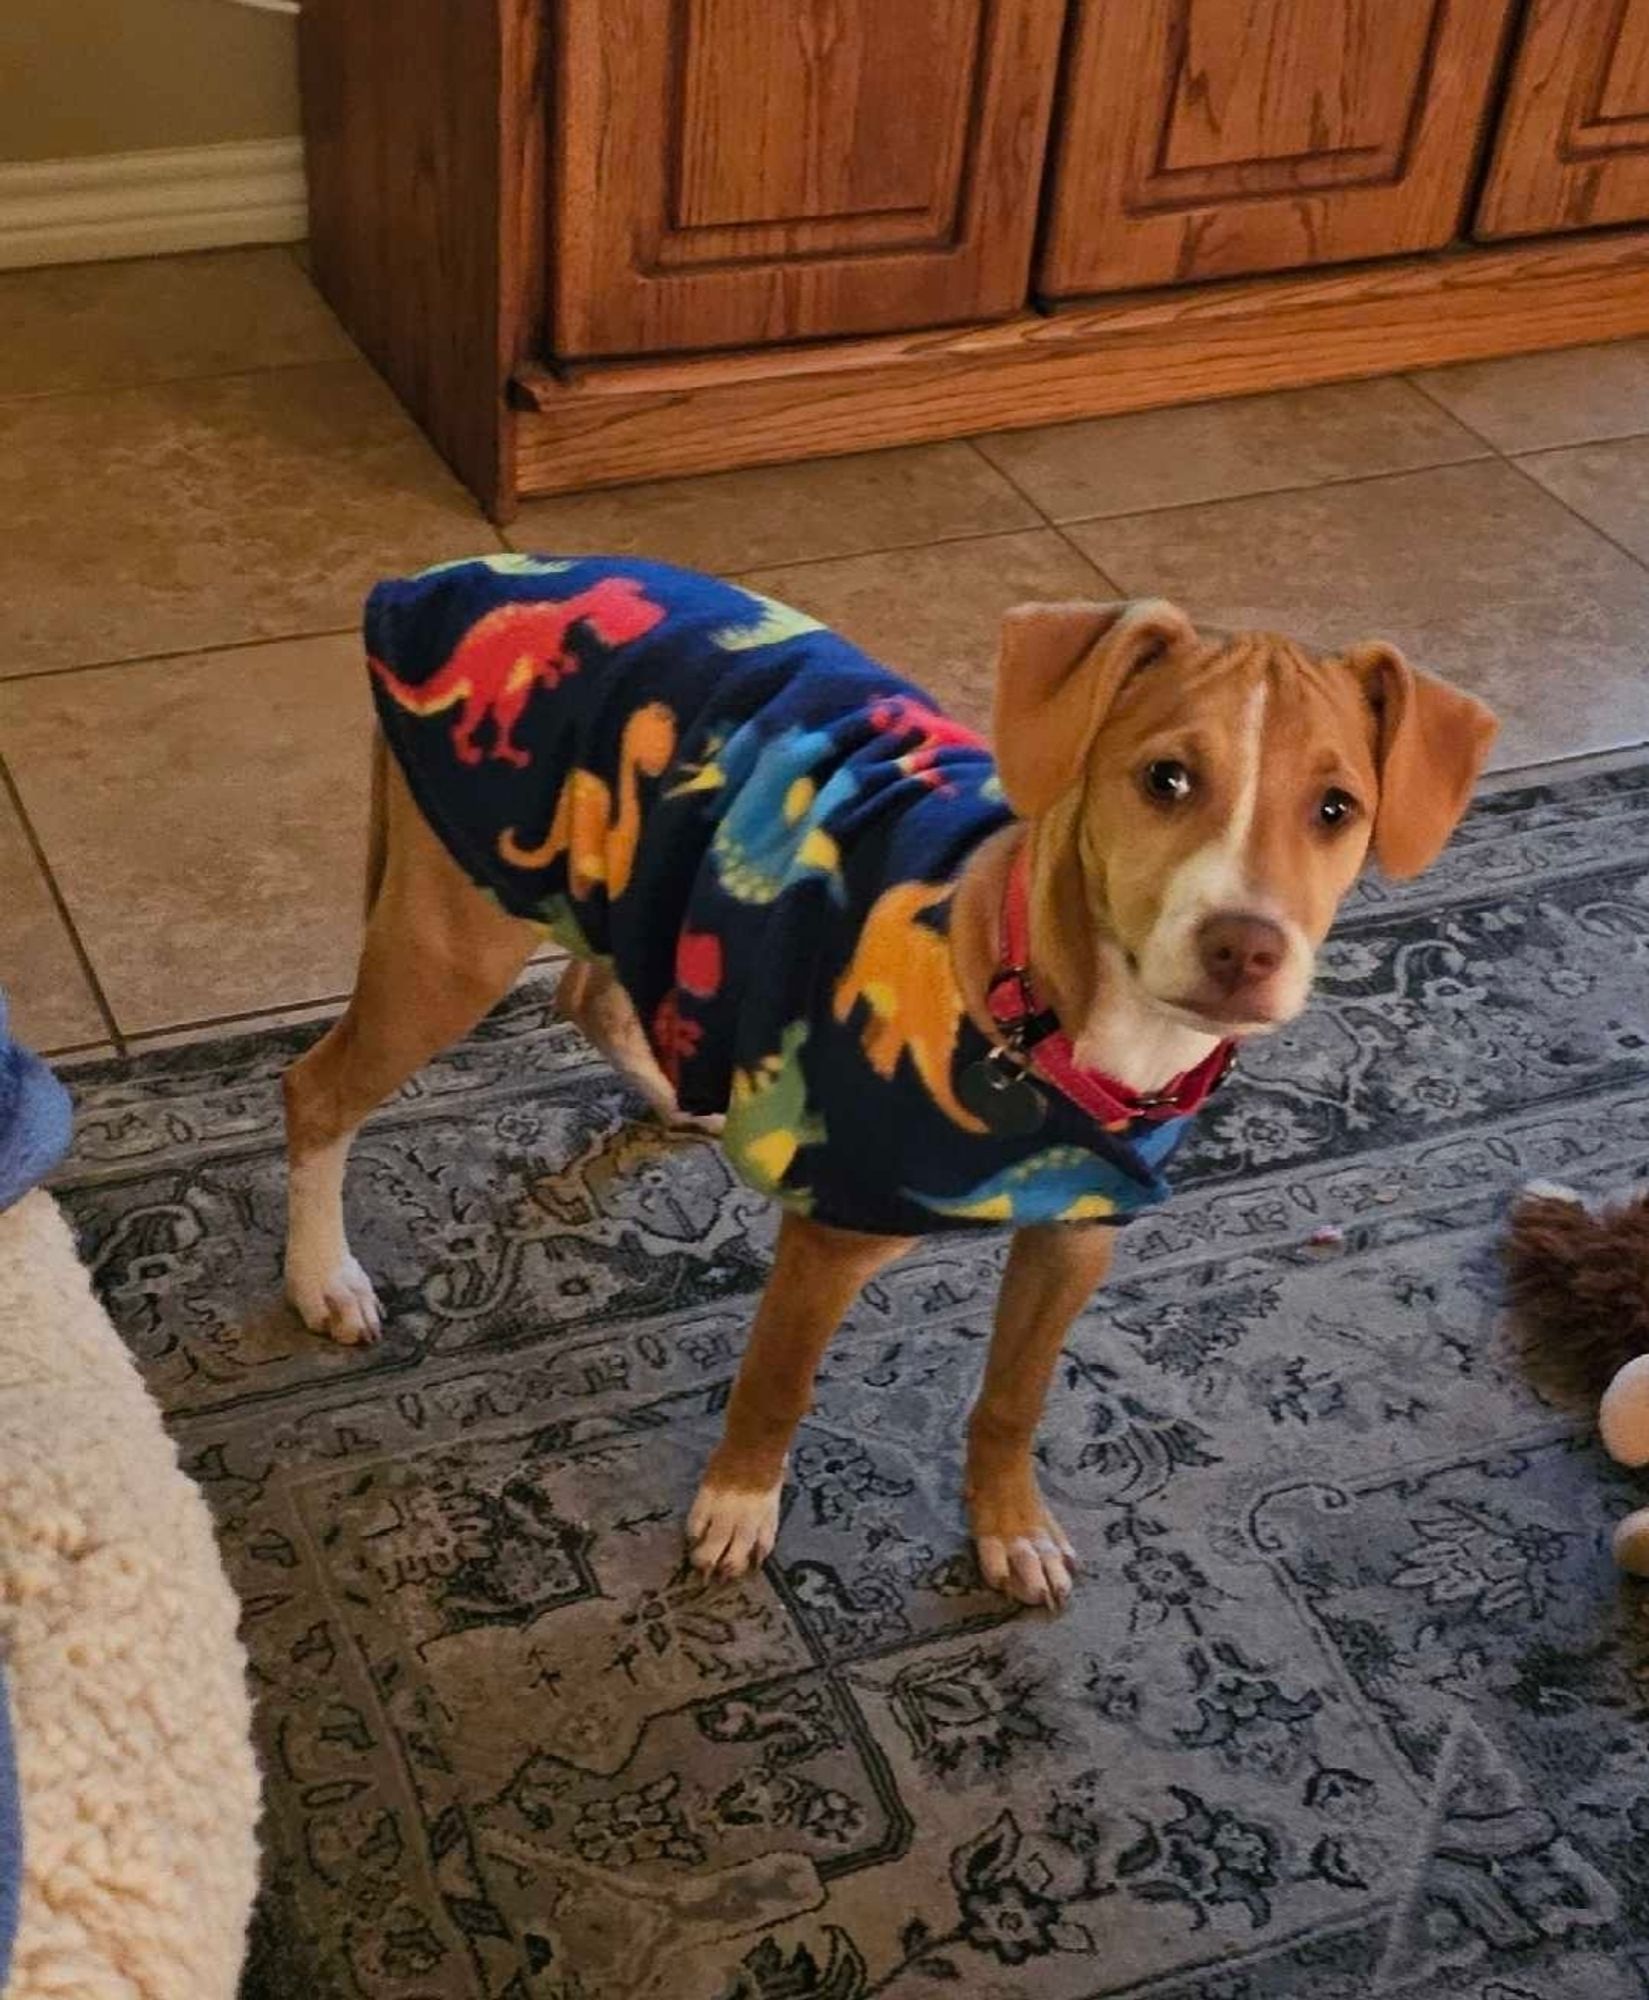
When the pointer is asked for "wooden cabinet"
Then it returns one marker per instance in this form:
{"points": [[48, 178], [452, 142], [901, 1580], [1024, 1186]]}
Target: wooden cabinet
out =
{"points": [[590, 241], [1210, 138], [1572, 149], [732, 171]]}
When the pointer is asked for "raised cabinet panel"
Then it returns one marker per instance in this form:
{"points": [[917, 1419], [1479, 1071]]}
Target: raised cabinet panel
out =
{"points": [[1213, 138], [732, 172], [1573, 146]]}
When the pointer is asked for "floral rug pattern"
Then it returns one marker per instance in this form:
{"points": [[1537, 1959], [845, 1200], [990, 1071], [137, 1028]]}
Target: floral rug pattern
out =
{"points": [[1349, 1700]]}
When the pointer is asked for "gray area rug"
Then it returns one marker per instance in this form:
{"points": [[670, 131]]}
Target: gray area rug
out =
{"points": [[1349, 1700]]}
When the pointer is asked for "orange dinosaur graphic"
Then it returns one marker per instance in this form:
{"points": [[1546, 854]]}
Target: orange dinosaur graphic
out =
{"points": [[512, 650], [599, 842], [901, 970]]}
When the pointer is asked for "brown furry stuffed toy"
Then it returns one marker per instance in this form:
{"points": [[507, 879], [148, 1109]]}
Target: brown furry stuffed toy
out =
{"points": [[1579, 1292]]}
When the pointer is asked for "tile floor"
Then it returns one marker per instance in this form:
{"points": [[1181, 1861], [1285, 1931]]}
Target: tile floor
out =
{"points": [[199, 479]]}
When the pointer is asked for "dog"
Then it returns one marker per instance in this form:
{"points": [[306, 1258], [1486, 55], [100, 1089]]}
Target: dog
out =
{"points": [[924, 989]]}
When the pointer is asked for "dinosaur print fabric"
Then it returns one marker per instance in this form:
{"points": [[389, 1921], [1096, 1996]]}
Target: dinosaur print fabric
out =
{"points": [[760, 829]]}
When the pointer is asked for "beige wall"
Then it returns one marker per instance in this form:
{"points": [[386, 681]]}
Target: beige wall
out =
{"points": [[117, 76]]}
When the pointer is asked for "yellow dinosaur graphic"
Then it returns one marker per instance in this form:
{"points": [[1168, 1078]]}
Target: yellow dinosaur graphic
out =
{"points": [[600, 844], [901, 970]]}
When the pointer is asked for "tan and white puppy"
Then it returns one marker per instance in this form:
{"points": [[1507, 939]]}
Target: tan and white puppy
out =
{"points": [[1196, 808]]}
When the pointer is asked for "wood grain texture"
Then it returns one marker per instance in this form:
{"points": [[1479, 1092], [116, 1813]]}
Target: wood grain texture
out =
{"points": [[422, 131], [1215, 138], [732, 171], [1572, 149], [613, 422]]}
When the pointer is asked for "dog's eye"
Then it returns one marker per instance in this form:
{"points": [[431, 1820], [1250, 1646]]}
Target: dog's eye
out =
{"points": [[1336, 808], [1168, 780]]}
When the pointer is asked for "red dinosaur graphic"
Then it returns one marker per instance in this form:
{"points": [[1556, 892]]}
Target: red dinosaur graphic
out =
{"points": [[900, 716], [505, 655]]}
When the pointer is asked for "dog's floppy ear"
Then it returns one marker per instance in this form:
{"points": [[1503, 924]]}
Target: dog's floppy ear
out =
{"points": [[1058, 672], [1430, 743]]}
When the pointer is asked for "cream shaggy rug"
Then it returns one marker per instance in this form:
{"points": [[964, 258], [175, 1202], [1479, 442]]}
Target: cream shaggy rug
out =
{"points": [[127, 1681]]}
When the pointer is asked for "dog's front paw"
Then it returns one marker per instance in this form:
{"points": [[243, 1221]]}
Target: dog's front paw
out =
{"points": [[1022, 1549], [338, 1302], [729, 1531]]}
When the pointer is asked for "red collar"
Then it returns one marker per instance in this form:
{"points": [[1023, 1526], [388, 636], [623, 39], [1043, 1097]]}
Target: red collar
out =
{"points": [[1035, 1036]]}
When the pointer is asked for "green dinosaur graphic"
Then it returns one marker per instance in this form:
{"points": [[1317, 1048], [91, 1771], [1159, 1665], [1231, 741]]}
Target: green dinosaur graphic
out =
{"points": [[768, 1122]]}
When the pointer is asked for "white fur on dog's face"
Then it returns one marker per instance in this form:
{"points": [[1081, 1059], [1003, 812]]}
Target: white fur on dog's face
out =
{"points": [[1262, 735], [1218, 878]]}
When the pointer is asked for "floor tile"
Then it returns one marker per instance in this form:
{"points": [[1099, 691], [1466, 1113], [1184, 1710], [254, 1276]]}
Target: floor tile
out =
{"points": [[205, 819], [106, 326], [1470, 568], [1608, 483], [1570, 396], [196, 514], [933, 613], [52, 1006], [784, 513], [1214, 451]]}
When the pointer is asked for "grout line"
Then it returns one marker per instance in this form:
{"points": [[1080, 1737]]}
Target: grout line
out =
{"points": [[247, 1016], [1617, 756], [1104, 575], [997, 534], [1578, 444], [1001, 471], [1008, 479], [1058, 527], [1035, 527], [1276, 492], [1470, 429], [352, 359], [1515, 461], [8, 789], [9, 398], [1514, 452], [174, 653], [313, 1011], [1574, 513]]}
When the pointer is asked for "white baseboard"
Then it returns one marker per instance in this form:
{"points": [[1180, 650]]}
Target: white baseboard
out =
{"points": [[141, 204]]}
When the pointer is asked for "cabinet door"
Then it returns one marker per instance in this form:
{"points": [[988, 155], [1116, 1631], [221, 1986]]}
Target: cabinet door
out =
{"points": [[1207, 138], [738, 171], [1573, 144]]}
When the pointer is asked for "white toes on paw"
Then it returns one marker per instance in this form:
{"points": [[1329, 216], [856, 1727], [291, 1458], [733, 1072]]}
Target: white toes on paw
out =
{"points": [[729, 1532], [342, 1304], [1029, 1569]]}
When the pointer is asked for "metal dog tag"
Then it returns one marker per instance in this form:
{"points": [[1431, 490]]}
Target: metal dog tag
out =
{"points": [[1002, 1097]]}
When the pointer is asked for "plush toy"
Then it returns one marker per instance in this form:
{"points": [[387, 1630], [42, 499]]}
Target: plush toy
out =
{"points": [[1578, 1284]]}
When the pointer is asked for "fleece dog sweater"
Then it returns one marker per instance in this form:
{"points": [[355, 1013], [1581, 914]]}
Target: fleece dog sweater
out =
{"points": [[760, 829]]}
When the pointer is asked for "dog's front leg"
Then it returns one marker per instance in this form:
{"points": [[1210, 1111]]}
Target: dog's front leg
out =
{"points": [[817, 1274], [1051, 1273]]}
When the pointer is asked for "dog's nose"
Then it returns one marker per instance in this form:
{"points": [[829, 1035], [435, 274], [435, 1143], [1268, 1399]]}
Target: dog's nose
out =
{"points": [[1239, 951]]}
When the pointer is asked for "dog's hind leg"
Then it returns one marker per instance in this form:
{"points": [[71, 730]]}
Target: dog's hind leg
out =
{"points": [[439, 954], [591, 998]]}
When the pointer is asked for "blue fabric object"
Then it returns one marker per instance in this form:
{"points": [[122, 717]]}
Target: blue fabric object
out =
{"points": [[11, 1839], [35, 1118], [761, 829]]}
